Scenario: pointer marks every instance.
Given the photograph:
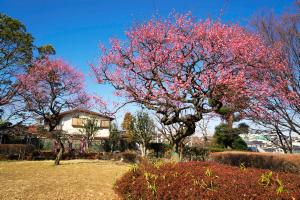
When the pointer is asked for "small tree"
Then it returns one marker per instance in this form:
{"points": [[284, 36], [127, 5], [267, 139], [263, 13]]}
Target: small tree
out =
{"points": [[128, 125], [48, 88], [89, 130], [144, 130], [228, 137], [114, 137]]}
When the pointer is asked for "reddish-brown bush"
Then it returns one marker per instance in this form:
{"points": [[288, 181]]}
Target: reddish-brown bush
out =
{"points": [[272, 161], [203, 180]]}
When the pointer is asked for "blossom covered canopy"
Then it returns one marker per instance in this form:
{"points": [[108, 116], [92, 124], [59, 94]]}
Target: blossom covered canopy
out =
{"points": [[50, 86], [175, 66]]}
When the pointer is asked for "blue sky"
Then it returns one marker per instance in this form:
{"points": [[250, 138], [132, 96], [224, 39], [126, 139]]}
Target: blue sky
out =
{"points": [[76, 27]]}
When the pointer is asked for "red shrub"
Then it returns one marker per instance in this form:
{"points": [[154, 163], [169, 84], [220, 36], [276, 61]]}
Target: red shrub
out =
{"points": [[203, 180]]}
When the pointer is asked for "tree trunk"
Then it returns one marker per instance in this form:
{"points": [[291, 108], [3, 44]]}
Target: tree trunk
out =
{"points": [[88, 145], [230, 119], [143, 150], [290, 143], [60, 153], [181, 149]]}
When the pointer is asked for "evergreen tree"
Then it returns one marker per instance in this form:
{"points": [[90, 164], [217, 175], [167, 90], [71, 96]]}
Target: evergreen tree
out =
{"points": [[226, 137], [127, 126], [114, 137]]}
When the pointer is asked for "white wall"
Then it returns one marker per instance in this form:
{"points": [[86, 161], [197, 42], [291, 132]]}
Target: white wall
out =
{"points": [[66, 124]]}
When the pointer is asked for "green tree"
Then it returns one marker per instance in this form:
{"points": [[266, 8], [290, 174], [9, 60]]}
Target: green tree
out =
{"points": [[45, 51], [114, 137], [127, 126], [227, 137], [16, 47], [144, 130], [90, 128]]}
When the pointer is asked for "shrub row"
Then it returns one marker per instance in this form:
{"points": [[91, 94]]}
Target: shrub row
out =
{"points": [[199, 153], [195, 153], [205, 180], [127, 156], [16, 148], [23, 152], [277, 162], [15, 151]]}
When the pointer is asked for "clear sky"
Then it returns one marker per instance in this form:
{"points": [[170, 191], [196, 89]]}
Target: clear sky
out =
{"points": [[76, 27]]}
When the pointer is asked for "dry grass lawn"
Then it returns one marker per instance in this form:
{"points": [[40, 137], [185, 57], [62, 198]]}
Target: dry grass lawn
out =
{"points": [[74, 179]]}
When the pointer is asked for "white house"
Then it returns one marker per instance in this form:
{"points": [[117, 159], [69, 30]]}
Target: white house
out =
{"points": [[72, 122]]}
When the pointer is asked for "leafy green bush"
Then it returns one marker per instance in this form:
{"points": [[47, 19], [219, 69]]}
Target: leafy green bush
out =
{"points": [[195, 153]]}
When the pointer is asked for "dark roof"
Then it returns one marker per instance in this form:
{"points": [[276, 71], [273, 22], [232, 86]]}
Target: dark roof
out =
{"points": [[85, 111]]}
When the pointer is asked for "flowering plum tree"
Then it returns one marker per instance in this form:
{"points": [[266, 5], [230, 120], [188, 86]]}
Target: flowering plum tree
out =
{"points": [[175, 66], [50, 87]]}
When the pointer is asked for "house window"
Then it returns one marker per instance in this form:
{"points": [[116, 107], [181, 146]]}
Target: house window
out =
{"points": [[78, 122], [105, 124]]}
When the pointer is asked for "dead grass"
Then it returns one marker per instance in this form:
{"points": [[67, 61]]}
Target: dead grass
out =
{"points": [[75, 179]]}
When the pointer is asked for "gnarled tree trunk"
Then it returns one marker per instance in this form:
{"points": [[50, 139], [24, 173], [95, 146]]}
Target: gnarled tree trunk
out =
{"points": [[185, 130]]}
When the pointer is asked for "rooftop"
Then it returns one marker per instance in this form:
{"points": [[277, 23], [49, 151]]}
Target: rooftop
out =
{"points": [[85, 111]]}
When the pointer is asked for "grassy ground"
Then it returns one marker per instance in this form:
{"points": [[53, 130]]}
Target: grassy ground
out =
{"points": [[75, 179]]}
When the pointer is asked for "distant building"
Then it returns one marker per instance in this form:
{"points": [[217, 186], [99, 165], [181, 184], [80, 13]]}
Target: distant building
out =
{"points": [[262, 143], [72, 122], [197, 141]]}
